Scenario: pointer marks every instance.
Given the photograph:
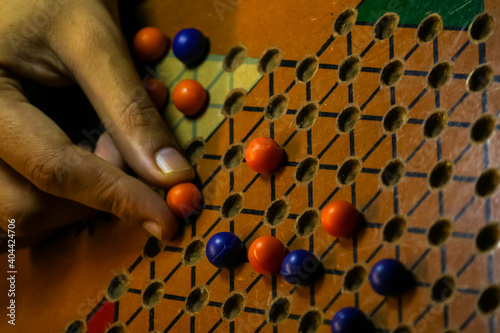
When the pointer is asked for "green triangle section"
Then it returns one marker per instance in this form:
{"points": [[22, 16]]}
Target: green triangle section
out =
{"points": [[218, 83], [456, 14]]}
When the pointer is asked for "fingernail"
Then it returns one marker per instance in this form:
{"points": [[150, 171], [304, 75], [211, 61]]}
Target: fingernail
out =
{"points": [[169, 160], [153, 228]]}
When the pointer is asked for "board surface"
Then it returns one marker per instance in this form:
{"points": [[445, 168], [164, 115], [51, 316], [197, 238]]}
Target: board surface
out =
{"points": [[74, 285]]}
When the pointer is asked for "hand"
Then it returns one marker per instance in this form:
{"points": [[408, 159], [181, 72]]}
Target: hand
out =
{"points": [[45, 180]]}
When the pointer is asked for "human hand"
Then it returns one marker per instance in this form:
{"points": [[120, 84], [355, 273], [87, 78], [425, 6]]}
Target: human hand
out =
{"points": [[45, 180]]}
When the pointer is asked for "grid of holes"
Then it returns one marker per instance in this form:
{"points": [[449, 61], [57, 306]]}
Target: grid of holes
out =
{"points": [[478, 80], [390, 76]]}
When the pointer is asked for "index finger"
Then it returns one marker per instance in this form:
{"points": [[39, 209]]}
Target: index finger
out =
{"points": [[99, 59]]}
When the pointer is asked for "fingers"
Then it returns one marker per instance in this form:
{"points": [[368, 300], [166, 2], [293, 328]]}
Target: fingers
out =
{"points": [[106, 149], [34, 146], [35, 212], [97, 55]]}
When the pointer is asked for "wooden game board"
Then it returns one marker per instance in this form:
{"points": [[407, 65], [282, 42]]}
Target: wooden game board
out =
{"points": [[426, 209]]}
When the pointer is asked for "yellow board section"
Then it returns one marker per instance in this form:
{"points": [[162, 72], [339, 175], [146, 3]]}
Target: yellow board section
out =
{"points": [[218, 83]]}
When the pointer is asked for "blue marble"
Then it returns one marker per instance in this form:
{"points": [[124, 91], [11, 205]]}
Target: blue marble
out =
{"points": [[389, 277], [190, 46], [301, 267], [351, 320], [224, 250]]}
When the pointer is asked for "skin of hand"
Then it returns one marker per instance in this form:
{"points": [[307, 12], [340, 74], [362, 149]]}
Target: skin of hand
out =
{"points": [[46, 181]]}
